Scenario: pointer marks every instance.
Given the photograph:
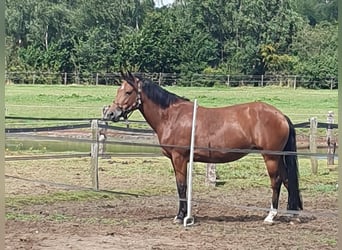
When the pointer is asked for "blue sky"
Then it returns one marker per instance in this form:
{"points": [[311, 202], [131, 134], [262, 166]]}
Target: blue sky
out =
{"points": [[165, 2]]}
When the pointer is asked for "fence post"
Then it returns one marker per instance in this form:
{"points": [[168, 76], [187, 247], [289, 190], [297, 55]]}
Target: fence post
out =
{"points": [[262, 80], [210, 175], [295, 82], [103, 132], [65, 78], [77, 79], [160, 79], [330, 142], [313, 145], [102, 141], [228, 82], [97, 79], [94, 154]]}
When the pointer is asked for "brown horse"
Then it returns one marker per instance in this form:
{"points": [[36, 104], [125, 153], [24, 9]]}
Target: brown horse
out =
{"points": [[249, 126]]}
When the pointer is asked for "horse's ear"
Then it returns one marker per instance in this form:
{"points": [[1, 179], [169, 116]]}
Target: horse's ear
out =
{"points": [[130, 75], [123, 75]]}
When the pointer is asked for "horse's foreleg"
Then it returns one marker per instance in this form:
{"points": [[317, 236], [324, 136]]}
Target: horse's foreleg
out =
{"points": [[182, 211], [180, 168]]}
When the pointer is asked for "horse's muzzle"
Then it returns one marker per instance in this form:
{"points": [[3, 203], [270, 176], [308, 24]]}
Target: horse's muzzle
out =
{"points": [[113, 115]]}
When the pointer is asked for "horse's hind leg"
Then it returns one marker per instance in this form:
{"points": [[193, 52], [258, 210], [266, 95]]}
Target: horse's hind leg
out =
{"points": [[273, 164]]}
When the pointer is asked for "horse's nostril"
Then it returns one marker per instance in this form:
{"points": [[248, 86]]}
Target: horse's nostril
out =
{"points": [[107, 115]]}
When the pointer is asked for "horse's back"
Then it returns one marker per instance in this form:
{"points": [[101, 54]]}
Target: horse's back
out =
{"points": [[249, 125]]}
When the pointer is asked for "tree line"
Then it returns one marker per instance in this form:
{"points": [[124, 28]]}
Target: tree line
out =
{"points": [[254, 37]]}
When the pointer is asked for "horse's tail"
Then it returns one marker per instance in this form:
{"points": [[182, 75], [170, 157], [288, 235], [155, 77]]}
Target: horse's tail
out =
{"points": [[291, 163]]}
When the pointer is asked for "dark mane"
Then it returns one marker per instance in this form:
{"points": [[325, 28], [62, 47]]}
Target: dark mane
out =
{"points": [[159, 95]]}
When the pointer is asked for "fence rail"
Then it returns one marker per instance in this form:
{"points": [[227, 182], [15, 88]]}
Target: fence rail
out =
{"points": [[126, 128], [99, 130], [293, 81]]}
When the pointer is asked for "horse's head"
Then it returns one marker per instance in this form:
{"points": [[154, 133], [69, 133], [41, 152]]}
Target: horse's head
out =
{"points": [[128, 98]]}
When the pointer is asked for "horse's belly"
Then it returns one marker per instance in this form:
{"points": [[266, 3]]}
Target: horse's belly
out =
{"points": [[217, 157]]}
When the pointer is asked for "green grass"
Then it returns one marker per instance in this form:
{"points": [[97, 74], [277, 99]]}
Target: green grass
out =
{"points": [[84, 101], [22, 216], [17, 202], [41, 199]]}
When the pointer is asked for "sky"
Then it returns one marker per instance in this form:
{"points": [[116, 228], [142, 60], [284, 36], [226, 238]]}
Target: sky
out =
{"points": [[165, 2]]}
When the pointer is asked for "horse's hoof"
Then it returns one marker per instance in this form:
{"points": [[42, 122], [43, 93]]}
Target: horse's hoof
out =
{"points": [[177, 220], [295, 220], [268, 222], [270, 217]]}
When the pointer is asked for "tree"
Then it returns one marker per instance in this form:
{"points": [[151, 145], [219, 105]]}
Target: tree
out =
{"points": [[187, 37], [167, 43], [274, 62], [316, 51], [241, 28], [316, 11]]}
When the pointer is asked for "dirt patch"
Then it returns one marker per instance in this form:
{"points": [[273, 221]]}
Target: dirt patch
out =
{"points": [[146, 223]]}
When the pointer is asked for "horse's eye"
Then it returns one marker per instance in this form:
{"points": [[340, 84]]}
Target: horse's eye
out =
{"points": [[128, 92]]}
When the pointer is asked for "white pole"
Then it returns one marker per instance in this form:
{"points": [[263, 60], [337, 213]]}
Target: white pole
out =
{"points": [[95, 154], [189, 220]]}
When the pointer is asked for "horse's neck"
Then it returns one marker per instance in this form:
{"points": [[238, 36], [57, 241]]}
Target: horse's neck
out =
{"points": [[152, 113]]}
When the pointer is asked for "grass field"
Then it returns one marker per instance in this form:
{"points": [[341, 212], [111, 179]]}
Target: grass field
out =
{"points": [[86, 101]]}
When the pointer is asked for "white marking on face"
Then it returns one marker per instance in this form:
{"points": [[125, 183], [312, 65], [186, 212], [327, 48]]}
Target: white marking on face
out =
{"points": [[123, 86]]}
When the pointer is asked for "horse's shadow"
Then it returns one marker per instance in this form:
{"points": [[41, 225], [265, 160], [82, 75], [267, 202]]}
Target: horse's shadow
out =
{"points": [[227, 218], [254, 218], [245, 218]]}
